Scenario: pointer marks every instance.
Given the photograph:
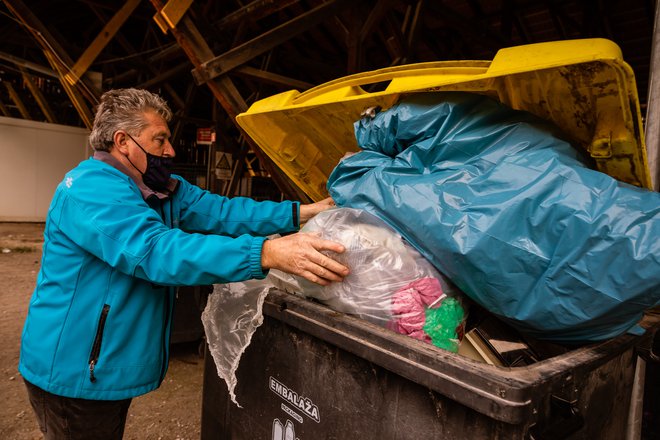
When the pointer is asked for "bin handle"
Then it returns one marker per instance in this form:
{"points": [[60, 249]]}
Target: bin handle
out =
{"points": [[647, 352], [468, 69], [567, 421]]}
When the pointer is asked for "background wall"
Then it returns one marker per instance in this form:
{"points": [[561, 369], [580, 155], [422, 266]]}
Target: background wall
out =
{"points": [[34, 156]]}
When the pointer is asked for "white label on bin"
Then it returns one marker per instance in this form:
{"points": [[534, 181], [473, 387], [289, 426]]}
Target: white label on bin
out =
{"points": [[291, 412], [301, 403]]}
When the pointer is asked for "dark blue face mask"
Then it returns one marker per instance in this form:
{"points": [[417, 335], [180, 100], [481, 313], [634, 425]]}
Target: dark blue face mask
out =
{"points": [[157, 174]]}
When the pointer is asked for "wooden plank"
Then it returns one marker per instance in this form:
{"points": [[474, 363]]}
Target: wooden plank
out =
{"points": [[412, 30], [39, 97], [253, 11], [72, 92], [198, 51], [374, 18], [149, 64], [169, 15], [57, 58], [273, 78], [17, 100], [247, 51], [353, 43], [4, 110], [28, 64], [101, 40], [164, 76], [481, 33]]}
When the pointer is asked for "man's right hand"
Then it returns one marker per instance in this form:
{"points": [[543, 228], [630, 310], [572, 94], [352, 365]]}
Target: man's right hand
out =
{"points": [[300, 254]]}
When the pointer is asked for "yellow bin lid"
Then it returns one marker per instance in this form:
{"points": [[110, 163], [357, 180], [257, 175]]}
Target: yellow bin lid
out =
{"points": [[583, 86]]}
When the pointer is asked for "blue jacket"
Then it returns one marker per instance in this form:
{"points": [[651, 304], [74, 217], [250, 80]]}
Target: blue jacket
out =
{"points": [[98, 324]]}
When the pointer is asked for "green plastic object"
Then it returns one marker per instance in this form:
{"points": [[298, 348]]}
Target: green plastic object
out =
{"points": [[442, 322]]}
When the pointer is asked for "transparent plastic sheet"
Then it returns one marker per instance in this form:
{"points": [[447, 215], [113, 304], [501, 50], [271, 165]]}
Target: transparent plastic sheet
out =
{"points": [[232, 314], [390, 285]]}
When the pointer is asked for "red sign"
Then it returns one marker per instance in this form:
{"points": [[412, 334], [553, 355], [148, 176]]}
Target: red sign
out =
{"points": [[205, 136]]}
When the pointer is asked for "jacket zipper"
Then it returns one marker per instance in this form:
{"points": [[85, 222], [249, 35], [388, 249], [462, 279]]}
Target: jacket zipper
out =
{"points": [[96, 348], [165, 336], [168, 294]]}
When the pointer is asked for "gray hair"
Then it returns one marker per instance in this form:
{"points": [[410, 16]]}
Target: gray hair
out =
{"points": [[123, 109]]}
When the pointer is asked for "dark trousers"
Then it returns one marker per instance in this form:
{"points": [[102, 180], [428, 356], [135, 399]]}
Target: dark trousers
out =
{"points": [[65, 418]]}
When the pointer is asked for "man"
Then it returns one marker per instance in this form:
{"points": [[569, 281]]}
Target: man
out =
{"points": [[98, 325]]}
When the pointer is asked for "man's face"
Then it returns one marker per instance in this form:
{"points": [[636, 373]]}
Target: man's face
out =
{"points": [[155, 139]]}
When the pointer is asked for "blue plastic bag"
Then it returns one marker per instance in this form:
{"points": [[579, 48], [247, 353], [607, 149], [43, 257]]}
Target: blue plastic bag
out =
{"points": [[505, 207]]}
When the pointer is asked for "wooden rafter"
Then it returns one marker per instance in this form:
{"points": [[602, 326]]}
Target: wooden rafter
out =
{"points": [[273, 78], [18, 102], [101, 40], [411, 28], [72, 91], [253, 11], [39, 97], [4, 110], [237, 56], [58, 59], [375, 16], [198, 51], [20, 62], [476, 29], [146, 66]]}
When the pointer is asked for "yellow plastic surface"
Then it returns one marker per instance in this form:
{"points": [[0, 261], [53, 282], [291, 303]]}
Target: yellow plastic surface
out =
{"points": [[583, 86]]}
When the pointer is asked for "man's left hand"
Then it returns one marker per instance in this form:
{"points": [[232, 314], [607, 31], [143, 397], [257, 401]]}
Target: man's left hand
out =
{"points": [[310, 210]]}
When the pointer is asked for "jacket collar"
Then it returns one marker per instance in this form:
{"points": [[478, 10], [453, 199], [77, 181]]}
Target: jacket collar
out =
{"points": [[147, 193]]}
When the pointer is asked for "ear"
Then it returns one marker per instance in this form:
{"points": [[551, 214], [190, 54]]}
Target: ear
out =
{"points": [[121, 142]]}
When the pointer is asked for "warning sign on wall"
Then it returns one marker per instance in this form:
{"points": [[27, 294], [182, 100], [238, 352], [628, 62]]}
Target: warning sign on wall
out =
{"points": [[223, 165]]}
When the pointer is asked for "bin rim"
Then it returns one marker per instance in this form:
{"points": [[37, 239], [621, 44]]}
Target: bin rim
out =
{"points": [[507, 394]]}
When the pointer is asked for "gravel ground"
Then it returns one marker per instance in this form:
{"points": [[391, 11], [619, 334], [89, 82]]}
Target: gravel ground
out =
{"points": [[171, 412]]}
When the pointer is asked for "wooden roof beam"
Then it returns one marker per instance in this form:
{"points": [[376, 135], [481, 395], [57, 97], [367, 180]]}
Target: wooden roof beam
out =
{"points": [[73, 92], [224, 90], [39, 97], [556, 19], [28, 64], [374, 17], [477, 29], [58, 59], [410, 29], [353, 43], [4, 110], [101, 40], [272, 78], [253, 11], [146, 66], [16, 99], [247, 51], [164, 76]]}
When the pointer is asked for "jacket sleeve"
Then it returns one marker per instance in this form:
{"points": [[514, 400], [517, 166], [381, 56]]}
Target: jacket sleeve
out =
{"points": [[118, 227], [203, 211]]}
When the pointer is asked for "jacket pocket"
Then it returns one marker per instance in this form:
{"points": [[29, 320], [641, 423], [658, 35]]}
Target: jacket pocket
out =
{"points": [[96, 347]]}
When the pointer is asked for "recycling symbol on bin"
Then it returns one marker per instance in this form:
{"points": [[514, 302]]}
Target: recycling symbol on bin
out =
{"points": [[286, 432]]}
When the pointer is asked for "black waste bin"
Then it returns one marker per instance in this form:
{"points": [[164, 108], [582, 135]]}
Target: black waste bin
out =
{"points": [[187, 318], [312, 373]]}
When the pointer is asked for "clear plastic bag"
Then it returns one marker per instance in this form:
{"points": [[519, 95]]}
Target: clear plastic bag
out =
{"points": [[390, 283]]}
